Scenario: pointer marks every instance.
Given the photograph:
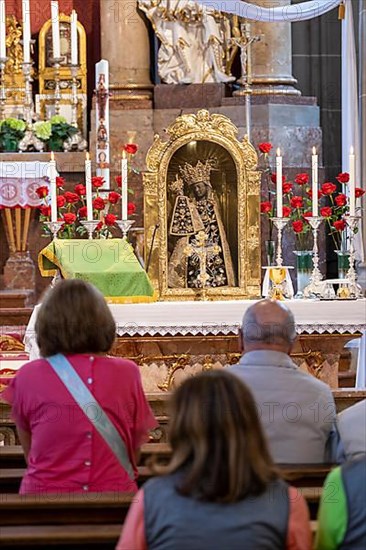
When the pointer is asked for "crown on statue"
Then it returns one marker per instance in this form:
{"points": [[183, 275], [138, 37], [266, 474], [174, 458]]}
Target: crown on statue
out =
{"points": [[194, 174]]}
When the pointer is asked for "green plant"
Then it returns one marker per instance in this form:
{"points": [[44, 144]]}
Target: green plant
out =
{"points": [[12, 131], [61, 130]]}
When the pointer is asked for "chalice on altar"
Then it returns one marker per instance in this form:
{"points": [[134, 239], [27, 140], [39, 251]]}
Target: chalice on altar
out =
{"points": [[277, 277]]}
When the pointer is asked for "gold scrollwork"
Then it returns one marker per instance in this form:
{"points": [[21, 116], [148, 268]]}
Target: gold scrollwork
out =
{"points": [[218, 132]]}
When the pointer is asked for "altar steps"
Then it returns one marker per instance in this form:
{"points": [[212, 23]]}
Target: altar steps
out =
{"points": [[16, 299], [15, 316]]}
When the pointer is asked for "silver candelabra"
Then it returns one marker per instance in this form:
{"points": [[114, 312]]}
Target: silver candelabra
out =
{"points": [[56, 62], [280, 224], [125, 226], [54, 227], [354, 288], [29, 140], [90, 226], [76, 141], [3, 61], [314, 288]]}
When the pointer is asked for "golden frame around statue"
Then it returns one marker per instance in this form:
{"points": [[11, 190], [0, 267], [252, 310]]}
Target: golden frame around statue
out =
{"points": [[194, 138]]}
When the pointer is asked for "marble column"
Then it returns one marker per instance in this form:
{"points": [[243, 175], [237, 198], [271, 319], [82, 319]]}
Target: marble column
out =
{"points": [[271, 57], [125, 44]]}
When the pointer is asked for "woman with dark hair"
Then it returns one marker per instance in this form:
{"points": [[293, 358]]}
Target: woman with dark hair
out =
{"points": [[220, 489], [81, 416]]}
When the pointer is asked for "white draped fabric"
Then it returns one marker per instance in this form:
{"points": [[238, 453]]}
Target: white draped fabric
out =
{"points": [[289, 14]]}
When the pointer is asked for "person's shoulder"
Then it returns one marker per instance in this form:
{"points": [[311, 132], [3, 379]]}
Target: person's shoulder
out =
{"points": [[31, 368], [125, 366], [312, 382], [358, 410]]}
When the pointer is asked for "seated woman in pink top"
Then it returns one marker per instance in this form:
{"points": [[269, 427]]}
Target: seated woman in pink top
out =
{"points": [[221, 488], [81, 415]]}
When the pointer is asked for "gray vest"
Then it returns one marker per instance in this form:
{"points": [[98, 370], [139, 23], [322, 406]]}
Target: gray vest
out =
{"points": [[175, 522], [354, 482]]}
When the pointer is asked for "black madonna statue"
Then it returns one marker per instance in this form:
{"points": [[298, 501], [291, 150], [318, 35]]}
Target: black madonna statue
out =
{"points": [[201, 255]]}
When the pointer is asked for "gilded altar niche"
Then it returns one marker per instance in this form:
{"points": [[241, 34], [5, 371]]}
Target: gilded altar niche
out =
{"points": [[201, 211]]}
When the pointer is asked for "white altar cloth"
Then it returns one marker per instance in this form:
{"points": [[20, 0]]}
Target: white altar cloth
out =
{"points": [[203, 318]]}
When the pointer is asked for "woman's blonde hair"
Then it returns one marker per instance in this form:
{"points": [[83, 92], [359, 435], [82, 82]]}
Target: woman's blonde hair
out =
{"points": [[217, 440]]}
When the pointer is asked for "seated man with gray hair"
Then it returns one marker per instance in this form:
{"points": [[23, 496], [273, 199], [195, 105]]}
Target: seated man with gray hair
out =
{"points": [[297, 411]]}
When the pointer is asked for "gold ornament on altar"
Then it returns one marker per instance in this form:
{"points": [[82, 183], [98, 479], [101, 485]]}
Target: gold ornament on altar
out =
{"points": [[202, 196], [14, 79], [277, 276]]}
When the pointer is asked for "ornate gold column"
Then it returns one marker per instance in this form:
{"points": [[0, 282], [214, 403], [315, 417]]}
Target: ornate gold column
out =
{"points": [[271, 57], [125, 44]]}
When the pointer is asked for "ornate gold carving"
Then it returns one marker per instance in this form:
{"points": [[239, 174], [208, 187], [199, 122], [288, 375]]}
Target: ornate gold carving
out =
{"points": [[253, 237], [9, 343], [14, 81], [217, 131]]}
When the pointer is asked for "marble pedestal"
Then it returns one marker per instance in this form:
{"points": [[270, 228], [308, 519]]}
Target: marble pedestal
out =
{"points": [[19, 272]]}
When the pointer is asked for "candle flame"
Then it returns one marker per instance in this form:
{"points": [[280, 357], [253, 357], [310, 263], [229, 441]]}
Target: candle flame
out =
{"points": [[52, 155], [87, 156], [314, 150], [278, 152], [124, 154], [352, 151]]}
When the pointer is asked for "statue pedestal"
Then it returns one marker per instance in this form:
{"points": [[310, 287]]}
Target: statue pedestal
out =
{"points": [[19, 272]]}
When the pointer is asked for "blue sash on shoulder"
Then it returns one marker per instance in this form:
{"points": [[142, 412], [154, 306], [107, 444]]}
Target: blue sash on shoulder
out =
{"points": [[92, 409]]}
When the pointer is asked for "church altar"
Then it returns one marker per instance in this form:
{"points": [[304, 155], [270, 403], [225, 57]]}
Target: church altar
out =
{"points": [[170, 340]]}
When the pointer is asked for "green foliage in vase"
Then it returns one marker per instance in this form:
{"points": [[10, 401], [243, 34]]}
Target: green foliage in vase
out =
{"points": [[12, 131]]}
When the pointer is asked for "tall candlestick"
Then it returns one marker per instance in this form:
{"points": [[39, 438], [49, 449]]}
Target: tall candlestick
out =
{"points": [[124, 183], [279, 184], [55, 30], [74, 38], [88, 185], [352, 180], [2, 30], [26, 31], [53, 188], [314, 170], [102, 154]]}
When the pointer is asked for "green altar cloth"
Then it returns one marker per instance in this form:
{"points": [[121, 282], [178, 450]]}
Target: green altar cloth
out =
{"points": [[109, 264]]}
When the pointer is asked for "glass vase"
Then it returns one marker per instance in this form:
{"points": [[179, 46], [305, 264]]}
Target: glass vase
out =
{"points": [[304, 267], [343, 263], [270, 252]]}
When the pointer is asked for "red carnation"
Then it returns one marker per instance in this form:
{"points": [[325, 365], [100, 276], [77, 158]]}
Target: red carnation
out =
{"points": [[131, 208], [266, 207], [110, 219], [298, 226], [339, 225], [80, 190], [113, 197], [297, 202], [130, 148], [98, 203], [60, 182], [71, 198], [42, 191], [343, 177], [45, 210], [83, 211], [286, 211], [99, 226], [69, 218], [340, 199], [274, 178], [97, 181], [307, 214], [328, 188], [61, 201], [265, 147], [302, 179], [326, 212], [287, 188], [118, 180], [359, 192]]}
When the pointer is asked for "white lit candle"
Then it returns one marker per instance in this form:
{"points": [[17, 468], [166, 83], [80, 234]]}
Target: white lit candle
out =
{"points": [[124, 189], [88, 185], [55, 30], [2, 30], [74, 38], [352, 184], [26, 31], [314, 171], [279, 197], [53, 188]]}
